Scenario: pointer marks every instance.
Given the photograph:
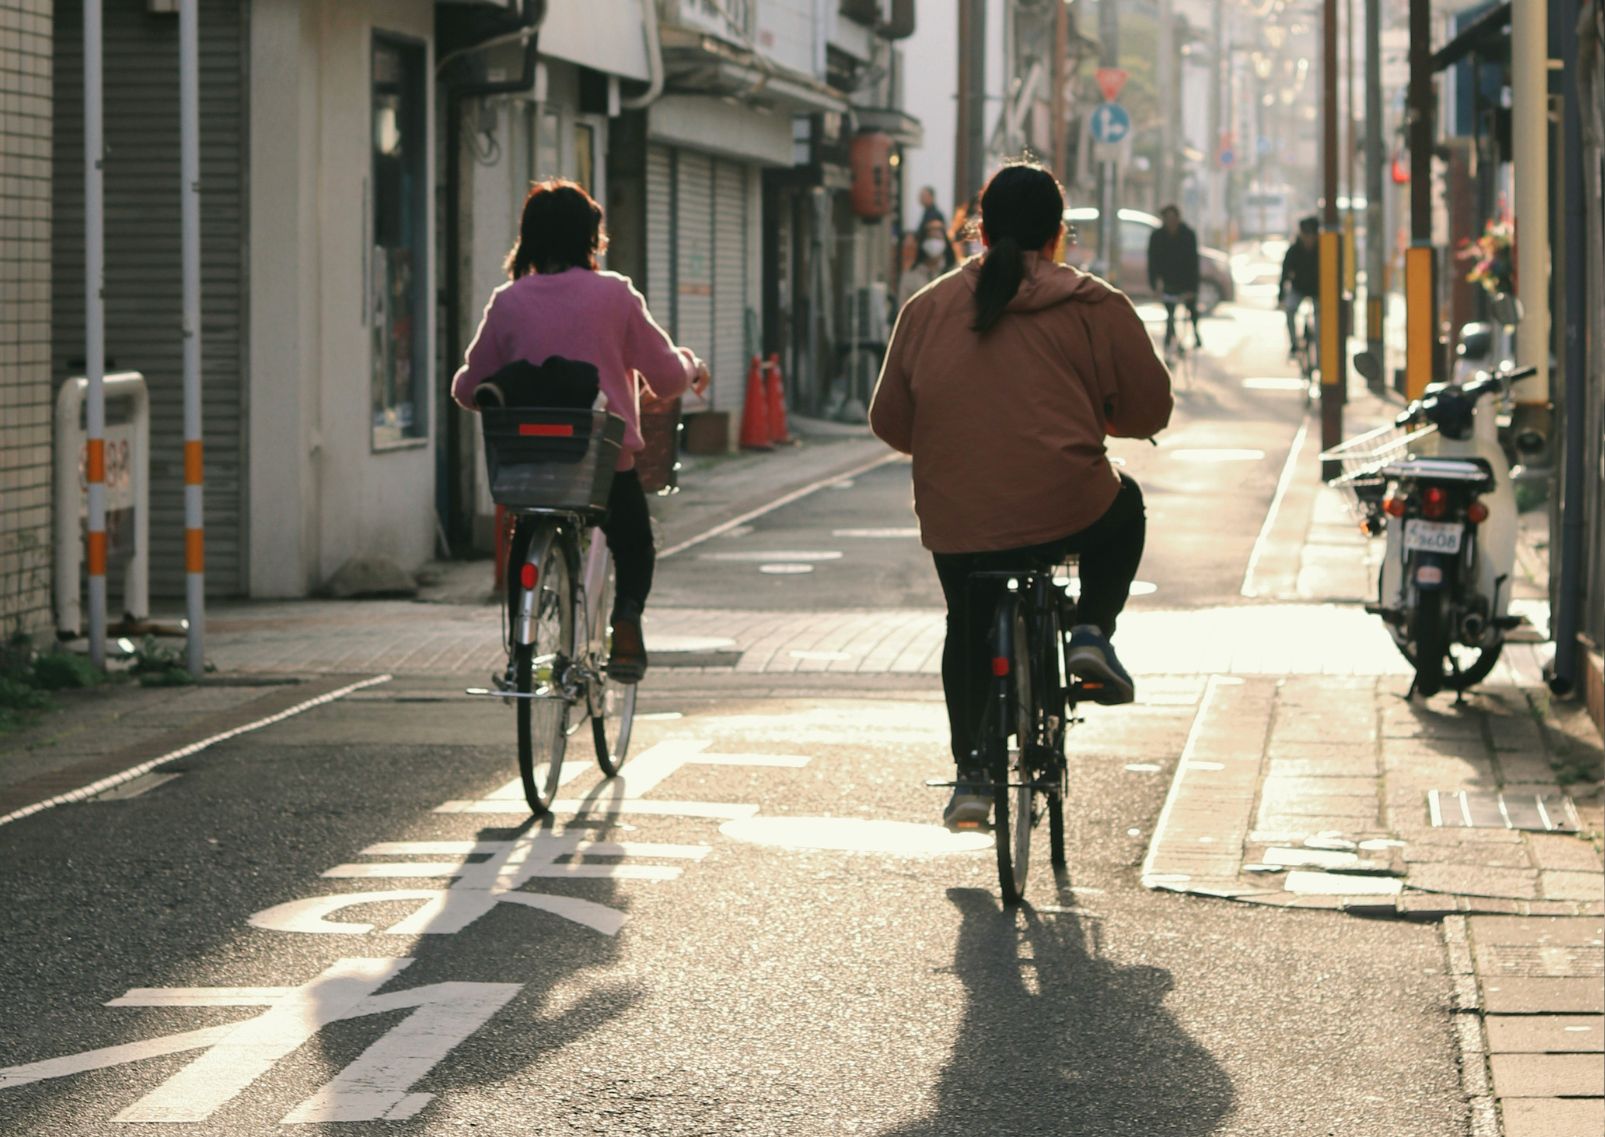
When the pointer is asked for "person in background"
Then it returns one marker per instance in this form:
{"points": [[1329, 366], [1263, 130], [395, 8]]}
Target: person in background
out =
{"points": [[965, 232], [1301, 277], [934, 257], [557, 303], [928, 210], [1173, 270], [1004, 380]]}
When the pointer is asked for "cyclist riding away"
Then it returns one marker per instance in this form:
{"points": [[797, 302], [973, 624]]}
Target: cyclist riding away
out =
{"points": [[1173, 270], [1003, 381], [557, 303], [1301, 277]]}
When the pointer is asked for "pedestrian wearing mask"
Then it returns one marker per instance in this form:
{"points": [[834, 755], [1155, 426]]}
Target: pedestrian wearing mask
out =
{"points": [[934, 257]]}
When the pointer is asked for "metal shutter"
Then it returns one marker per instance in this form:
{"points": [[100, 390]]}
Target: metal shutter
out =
{"points": [[731, 290], [693, 284], [143, 282], [660, 235]]}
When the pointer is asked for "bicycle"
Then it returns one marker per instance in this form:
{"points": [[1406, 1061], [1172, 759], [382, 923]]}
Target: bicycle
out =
{"points": [[1307, 349], [552, 468], [1028, 712], [1178, 358]]}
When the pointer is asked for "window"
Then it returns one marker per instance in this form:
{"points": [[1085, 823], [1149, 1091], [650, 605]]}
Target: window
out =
{"points": [[398, 261]]}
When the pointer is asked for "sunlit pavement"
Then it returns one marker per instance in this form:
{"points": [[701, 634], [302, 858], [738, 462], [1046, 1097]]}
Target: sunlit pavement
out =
{"points": [[758, 928]]}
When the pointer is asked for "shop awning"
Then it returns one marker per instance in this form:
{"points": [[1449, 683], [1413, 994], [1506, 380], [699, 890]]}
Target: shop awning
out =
{"points": [[697, 64], [905, 129]]}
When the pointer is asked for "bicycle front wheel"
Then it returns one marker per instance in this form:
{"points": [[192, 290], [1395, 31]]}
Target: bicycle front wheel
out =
{"points": [[543, 647], [1012, 785]]}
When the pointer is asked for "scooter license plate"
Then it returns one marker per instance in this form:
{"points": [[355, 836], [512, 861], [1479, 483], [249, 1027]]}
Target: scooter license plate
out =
{"points": [[1432, 536]]}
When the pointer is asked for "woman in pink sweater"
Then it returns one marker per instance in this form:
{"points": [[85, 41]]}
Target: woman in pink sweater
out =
{"points": [[558, 303]]}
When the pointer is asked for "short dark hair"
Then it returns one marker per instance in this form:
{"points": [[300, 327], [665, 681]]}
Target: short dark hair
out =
{"points": [[561, 226], [1309, 225], [1169, 209]]}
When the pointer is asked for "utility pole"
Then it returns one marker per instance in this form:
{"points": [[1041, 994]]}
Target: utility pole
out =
{"points": [[1058, 74], [1212, 167], [1529, 131], [969, 155], [1109, 205], [1376, 296], [1334, 367], [1164, 65], [1420, 262]]}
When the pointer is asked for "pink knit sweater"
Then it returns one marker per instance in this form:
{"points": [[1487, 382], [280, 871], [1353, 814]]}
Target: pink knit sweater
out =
{"points": [[597, 317]]}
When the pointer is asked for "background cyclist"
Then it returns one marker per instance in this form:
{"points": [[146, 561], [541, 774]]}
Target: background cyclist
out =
{"points": [[1003, 381], [1301, 277], [1173, 270]]}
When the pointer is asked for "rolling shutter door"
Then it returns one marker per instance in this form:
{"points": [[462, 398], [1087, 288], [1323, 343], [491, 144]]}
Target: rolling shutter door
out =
{"points": [[730, 285], [693, 262], [143, 270], [660, 235]]}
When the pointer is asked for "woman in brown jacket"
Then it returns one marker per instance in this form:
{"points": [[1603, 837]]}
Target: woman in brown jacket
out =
{"points": [[1003, 381]]}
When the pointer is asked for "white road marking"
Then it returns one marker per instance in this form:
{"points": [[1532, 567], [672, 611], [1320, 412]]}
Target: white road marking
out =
{"points": [[113, 780], [789, 555], [911, 531], [855, 835], [1250, 585], [443, 911], [1143, 588], [786, 569], [839, 481], [375, 1087], [1275, 383]]}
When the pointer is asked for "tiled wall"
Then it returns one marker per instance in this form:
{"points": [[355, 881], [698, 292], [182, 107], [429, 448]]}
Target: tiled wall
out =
{"points": [[25, 174]]}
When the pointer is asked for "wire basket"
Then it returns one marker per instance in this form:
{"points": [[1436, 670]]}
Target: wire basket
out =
{"points": [[1363, 458], [550, 457]]}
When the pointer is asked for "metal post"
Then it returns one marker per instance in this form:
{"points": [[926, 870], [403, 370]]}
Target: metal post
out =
{"points": [[1061, 48], [1212, 168], [1375, 224], [1350, 155], [1164, 65], [975, 96], [189, 161], [1333, 364], [1109, 204], [1420, 263], [961, 116], [1529, 132], [95, 329]]}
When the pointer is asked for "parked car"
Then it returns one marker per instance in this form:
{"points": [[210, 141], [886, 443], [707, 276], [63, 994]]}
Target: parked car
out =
{"points": [[1214, 267]]}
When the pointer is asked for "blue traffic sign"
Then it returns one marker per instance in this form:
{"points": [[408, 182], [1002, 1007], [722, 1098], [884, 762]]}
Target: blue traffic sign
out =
{"points": [[1111, 122]]}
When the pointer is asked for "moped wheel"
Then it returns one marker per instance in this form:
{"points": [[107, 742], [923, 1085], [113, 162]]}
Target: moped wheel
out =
{"points": [[1462, 667], [1428, 642]]}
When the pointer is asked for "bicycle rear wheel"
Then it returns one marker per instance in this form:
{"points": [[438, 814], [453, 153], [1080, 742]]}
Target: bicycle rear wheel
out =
{"points": [[612, 703], [543, 646], [1013, 806]]}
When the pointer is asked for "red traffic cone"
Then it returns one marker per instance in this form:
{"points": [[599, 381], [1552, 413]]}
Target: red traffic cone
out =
{"points": [[777, 402], [755, 412]]}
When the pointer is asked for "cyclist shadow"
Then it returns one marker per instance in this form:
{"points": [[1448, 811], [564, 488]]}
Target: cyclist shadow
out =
{"points": [[1056, 1039]]}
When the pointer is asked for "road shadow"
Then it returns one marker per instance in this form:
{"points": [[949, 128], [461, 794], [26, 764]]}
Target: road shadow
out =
{"points": [[1057, 1040]]}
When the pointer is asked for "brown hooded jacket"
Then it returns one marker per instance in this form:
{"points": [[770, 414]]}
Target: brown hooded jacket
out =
{"points": [[1007, 428]]}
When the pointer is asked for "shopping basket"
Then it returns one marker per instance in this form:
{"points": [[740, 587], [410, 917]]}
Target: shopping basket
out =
{"points": [[551, 457], [1363, 458]]}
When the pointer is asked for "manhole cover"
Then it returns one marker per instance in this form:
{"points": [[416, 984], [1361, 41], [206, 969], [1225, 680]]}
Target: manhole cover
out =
{"points": [[1468, 809]]}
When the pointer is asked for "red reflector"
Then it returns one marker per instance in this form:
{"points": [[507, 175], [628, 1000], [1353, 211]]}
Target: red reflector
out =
{"points": [[1000, 666], [1434, 501], [1393, 507], [527, 576], [546, 429], [1477, 512]]}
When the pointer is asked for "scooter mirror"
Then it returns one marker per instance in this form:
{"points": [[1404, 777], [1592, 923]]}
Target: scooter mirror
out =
{"points": [[1368, 366]]}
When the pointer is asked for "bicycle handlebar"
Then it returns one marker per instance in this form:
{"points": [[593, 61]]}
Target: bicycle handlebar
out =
{"points": [[1497, 381]]}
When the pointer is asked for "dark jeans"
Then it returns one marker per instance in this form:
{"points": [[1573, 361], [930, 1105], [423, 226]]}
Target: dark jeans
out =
{"points": [[1110, 550], [628, 528], [1188, 301]]}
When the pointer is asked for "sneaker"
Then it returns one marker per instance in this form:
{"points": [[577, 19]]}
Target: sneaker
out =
{"points": [[1092, 659], [970, 807], [627, 661], [1198, 341]]}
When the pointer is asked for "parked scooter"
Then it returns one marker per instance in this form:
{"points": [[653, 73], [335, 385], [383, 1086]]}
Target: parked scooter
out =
{"points": [[1438, 485]]}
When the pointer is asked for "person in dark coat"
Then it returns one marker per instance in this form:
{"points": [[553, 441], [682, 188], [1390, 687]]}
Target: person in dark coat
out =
{"points": [[928, 208], [1301, 277], [1173, 270]]}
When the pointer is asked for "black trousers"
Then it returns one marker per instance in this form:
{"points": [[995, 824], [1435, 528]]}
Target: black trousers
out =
{"points": [[1110, 550], [628, 529]]}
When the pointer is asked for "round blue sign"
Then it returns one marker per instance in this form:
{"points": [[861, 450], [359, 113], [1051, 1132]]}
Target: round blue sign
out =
{"points": [[1111, 122]]}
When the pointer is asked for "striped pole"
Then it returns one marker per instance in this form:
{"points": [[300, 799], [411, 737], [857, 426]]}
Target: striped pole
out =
{"points": [[194, 464], [95, 330]]}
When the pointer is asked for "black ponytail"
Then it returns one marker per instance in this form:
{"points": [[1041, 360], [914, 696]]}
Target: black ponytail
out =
{"points": [[1022, 209]]}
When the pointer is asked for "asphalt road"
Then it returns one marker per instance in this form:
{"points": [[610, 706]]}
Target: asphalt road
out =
{"points": [[765, 934]]}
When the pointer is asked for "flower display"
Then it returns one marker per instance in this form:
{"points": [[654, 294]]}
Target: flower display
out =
{"points": [[1491, 257]]}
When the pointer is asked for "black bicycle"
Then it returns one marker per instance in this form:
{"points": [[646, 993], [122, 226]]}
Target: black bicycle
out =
{"points": [[1029, 709]]}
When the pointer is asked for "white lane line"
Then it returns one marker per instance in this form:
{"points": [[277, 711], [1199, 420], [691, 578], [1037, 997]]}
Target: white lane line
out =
{"points": [[783, 500], [1147, 874], [878, 534], [128, 775], [1250, 585], [795, 555]]}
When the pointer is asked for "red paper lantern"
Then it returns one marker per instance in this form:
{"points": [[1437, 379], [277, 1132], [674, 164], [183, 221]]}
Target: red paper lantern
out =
{"points": [[871, 158]]}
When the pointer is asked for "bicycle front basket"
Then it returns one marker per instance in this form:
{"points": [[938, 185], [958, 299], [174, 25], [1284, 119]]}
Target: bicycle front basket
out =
{"points": [[551, 457]]}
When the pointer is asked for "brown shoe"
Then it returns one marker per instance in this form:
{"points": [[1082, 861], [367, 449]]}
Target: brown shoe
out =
{"points": [[627, 661]]}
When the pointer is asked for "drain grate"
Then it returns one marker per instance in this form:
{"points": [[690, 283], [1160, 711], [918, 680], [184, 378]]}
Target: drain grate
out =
{"points": [[1468, 809]]}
